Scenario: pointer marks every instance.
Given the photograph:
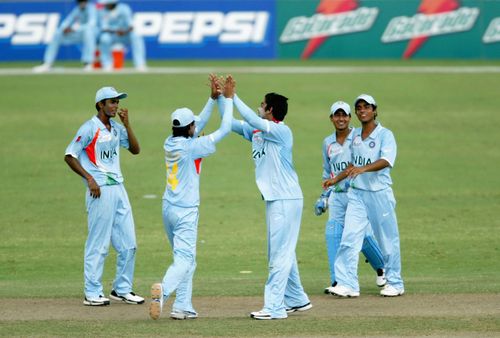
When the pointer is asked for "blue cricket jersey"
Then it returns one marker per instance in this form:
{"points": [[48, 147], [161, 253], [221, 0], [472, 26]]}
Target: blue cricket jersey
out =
{"points": [[183, 157], [120, 18], [183, 164], [77, 19], [272, 144], [336, 158], [381, 144], [98, 150]]}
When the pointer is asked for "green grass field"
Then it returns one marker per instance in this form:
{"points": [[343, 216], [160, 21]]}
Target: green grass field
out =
{"points": [[445, 181]]}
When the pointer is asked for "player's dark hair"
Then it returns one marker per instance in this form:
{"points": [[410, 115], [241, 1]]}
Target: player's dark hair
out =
{"points": [[181, 131], [97, 104], [278, 103]]}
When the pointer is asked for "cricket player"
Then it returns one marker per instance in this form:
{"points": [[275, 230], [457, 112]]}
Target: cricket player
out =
{"points": [[336, 158], [183, 153], [278, 183], [116, 27], [371, 201], [94, 154], [79, 27]]}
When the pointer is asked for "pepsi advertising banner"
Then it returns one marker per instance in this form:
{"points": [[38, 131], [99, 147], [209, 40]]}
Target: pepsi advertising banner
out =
{"points": [[271, 29], [182, 29]]}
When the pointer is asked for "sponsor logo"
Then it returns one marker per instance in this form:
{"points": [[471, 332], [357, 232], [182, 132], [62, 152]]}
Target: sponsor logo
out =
{"points": [[492, 33], [331, 18], [198, 27], [237, 27], [28, 28], [435, 17], [406, 28], [324, 25]]}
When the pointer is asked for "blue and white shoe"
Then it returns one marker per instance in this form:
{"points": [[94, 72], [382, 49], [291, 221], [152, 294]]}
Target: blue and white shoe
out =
{"points": [[180, 315], [129, 298], [301, 308], [96, 301]]}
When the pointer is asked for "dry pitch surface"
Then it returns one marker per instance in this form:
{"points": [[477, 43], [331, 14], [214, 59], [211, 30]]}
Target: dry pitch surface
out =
{"points": [[454, 305]]}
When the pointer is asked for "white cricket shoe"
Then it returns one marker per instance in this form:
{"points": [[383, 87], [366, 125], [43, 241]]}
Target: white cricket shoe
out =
{"points": [[181, 315], [43, 68], [261, 315], [156, 305], [88, 67], [142, 68], [391, 291], [301, 308], [96, 301], [381, 280], [129, 298], [343, 291]]}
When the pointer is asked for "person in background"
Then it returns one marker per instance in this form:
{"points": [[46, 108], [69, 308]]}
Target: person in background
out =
{"points": [[79, 27], [115, 24]]}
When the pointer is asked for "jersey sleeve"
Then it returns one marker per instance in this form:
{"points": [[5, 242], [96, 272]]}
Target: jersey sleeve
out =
{"points": [[127, 14], [124, 142], [202, 147], [240, 127], [204, 116], [388, 148], [92, 15], [274, 132], [326, 161], [81, 140], [69, 20]]}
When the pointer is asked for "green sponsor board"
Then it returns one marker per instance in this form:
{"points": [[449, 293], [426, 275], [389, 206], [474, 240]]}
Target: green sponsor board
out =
{"points": [[388, 29]]}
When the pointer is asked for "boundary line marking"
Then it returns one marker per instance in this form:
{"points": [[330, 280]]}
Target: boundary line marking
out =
{"points": [[266, 70]]}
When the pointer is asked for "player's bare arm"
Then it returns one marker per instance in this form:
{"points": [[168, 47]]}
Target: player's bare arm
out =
{"points": [[134, 147], [341, 176], [75, 165], [375, 166]]}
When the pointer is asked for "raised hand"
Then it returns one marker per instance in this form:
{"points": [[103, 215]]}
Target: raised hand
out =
{"points": [[215, 86], [229, 87]]}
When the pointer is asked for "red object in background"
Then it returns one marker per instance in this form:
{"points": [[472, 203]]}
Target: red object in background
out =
{"points": [[328, 7], [118, 59], [429, 7]]}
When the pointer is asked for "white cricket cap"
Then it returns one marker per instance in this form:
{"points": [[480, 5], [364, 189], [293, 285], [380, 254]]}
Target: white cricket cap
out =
{"points": [[183, 117], [107, 2], [340, 105], [367, 98], [108, 93]]}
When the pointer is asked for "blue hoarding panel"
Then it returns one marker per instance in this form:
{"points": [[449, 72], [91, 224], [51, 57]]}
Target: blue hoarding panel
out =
{"points": [[171, 29]]}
